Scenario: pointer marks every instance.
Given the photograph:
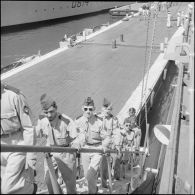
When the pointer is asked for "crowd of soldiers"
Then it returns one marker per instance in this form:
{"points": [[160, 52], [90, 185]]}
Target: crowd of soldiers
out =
{"points": [[90, 130]]}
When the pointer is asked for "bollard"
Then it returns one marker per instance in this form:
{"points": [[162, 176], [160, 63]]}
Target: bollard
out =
{"points": [[166, 41], [121, 38], [161, 47], [114, 44]]}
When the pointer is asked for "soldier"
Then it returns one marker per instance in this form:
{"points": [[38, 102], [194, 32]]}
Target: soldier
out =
{"points": [[137, 138], [169, 19], [17, 168], [55, 127], [178, 19], [91, 135], [111, 127], [127, 143], [182, 18]]}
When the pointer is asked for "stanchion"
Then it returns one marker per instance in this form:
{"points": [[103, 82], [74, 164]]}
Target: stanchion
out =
{"points": [[109, 173], [55, 186], [121, 38], [114, 44]]}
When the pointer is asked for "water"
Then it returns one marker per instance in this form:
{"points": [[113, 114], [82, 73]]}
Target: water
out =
{"points": [[24, 43]]}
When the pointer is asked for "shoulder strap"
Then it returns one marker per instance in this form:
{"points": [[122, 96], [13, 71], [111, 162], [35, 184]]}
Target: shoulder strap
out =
{"points": [[41, 116], [8, 87], [98, 117], [78, 117], [66, 120]]}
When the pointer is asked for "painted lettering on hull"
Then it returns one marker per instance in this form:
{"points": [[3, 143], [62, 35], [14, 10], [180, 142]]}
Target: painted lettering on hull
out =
{"points": [[79, 3]]}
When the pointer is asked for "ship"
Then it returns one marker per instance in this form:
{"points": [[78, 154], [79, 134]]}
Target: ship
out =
{"points": [[27, 12], [165, 108]]}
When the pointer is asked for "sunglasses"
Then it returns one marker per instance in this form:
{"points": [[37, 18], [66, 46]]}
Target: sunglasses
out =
{"points": [[127, 125], [90, 109]]}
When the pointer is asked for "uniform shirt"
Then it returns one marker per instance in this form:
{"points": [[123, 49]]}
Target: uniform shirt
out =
{"points": [[16, 115], [110, 124], [89, 130], [128, 138], [54, 130], [138, 134]]}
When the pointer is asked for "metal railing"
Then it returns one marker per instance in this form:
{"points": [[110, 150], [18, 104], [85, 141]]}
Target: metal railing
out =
{"points": [[54, 149]]}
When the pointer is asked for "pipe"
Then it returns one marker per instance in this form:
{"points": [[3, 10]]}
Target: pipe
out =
{"points": [[24, 148]]}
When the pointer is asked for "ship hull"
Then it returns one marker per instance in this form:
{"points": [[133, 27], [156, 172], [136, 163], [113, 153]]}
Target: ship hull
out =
{"points": [[25, 12]]}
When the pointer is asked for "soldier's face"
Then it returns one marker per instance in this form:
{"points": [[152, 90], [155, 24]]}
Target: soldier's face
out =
{"points": [[88, 111], [106, 111], [50, 113], [131, 113], [127, 126]]}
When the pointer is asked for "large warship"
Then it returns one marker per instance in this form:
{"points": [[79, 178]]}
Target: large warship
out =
{"points": [[27, 12]]}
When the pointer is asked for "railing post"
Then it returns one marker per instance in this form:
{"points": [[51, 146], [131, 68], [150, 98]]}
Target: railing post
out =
{"points": [[55, 186], [109, 173]]}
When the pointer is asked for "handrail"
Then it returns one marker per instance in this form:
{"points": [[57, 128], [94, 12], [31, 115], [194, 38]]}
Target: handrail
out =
{"points": [[25, 148]]}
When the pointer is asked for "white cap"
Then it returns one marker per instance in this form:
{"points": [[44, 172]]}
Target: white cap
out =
{"points": [[190, 5]]}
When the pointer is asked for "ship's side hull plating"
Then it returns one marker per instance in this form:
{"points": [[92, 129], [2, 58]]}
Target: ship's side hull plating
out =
{"points": [[23, 12]]}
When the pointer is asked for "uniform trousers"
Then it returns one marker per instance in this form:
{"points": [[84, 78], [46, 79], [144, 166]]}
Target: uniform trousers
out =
{"points": [[16, 176], [66, 164], [104, 171], [91, 163]]}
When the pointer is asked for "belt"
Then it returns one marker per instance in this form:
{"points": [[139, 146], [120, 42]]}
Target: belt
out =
{"points": [[93, 144], [9, 134]]}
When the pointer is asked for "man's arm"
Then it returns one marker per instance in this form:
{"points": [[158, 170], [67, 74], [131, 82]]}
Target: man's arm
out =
{"points": [[25, 117]]}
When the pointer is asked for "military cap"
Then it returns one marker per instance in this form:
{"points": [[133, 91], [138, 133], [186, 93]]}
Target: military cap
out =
{"points": [[107, 103], [132, 109], [47, 102], [88, 102]]}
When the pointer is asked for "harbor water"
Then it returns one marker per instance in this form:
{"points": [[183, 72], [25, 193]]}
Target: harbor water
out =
{"points": [[26, 42]]}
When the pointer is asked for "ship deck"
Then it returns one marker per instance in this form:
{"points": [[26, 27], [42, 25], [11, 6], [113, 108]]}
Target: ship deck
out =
{"points": [[94, 68]]}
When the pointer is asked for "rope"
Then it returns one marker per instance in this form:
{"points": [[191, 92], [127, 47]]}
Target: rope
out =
{"points": [[146, 46], [148, 67]]}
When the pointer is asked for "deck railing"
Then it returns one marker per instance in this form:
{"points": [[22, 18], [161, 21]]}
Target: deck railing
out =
{"points": [[48, 149]]}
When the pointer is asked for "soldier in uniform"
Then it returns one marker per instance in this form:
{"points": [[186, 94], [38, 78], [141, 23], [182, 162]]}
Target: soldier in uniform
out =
{"points": [[137, 131], [91, 135], [111, 127], [17, 168], [127, 143], [178, 18], [55, 127], [168, 19], [137, 137]]}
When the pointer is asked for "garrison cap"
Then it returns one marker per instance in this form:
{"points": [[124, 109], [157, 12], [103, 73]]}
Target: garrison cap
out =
{"points": [[47, 102], [132, 109], [107, 103], [88, 102]]}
